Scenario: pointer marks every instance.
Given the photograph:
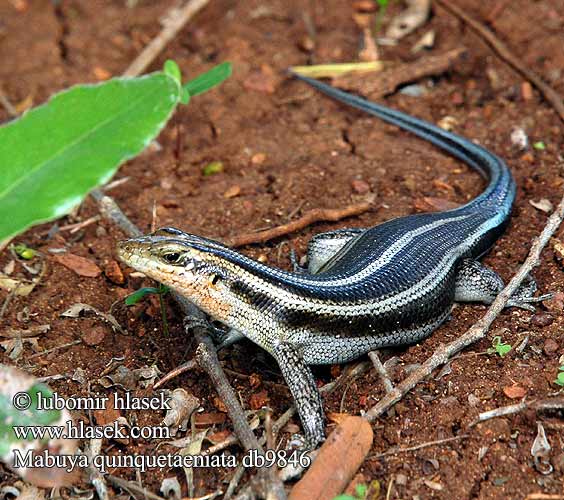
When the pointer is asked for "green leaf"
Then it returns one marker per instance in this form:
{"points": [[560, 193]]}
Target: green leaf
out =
{"points": [[138, 295], [560, 379], [215, 167], [344, 497], [171, 69], [502, 349], [209, 79], [539, 146], [52, 156], [361, 490]]}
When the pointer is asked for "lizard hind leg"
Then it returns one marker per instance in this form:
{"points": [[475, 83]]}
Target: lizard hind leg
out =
{"points": [[323, 248], [478, 283]]}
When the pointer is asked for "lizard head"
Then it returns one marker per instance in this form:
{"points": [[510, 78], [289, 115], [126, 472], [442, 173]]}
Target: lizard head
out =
{"points": [[184, 262]]}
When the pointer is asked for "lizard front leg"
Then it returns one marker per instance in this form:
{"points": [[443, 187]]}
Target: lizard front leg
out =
{"points": [[302, 385]]}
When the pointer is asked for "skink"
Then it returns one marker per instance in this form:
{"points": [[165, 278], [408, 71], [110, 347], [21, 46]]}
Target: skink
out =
{"points": [[388, 285]]}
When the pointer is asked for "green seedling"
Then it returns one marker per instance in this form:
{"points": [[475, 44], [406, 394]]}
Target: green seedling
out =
{"points": [[540, 146], [24, 251], [215, 167], [560, 377], [363, 492], [499, 347], [382, 9]]}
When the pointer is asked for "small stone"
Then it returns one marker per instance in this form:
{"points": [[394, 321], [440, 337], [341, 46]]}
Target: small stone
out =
{"points": [[543, 205], [550, 347], [457, 99], [364, 6], [232, 192], [80, 265], [114, 273], [94, 336], [360, 187], [258, 158], [306, 44], [556, 303], [542, 319], [101, 73], [401, 479], [473, 400], [526, 91], [261, 81]]}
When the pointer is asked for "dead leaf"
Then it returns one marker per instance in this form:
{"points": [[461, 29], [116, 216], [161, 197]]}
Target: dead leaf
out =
{"points": [[80, 265], [219, 437], [433, 485], [182, 405], [15, 347], [209, 419], [107, 416], [258, 158], [543, 205], [425, 42], [336, 417], [259, 399], [34, 331], [540, 450], [22, 288], [515, 391], [114, 273], [170, 488], [76, 310], [24, 105]]}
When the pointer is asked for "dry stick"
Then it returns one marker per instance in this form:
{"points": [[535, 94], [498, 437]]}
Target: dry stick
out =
{"points": [[504, 53], [386, 82], [5, 102], [174, 20], [546, 404], [479, 330], [132, 487], [394, 451], [388, 386], [207, 359], [311, 217]]}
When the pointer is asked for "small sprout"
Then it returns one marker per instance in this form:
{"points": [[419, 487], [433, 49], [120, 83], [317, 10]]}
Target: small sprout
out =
{"points": [[499, 347], [209, 79], [24, 251], [215, 167], [539, 146], [560, 377], [138, 295], [362, 492]]}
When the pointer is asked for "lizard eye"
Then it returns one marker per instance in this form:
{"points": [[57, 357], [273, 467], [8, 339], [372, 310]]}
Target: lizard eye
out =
{"points": [[172, 257]]}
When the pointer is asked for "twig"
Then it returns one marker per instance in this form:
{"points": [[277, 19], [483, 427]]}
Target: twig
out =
{"points": [[111, 212], [479, 330], [311, 217], [394, 451], [5, 102], [174, 20], [388, 386], [53, 349], [132, 487], [505, 54], [546, 404], [386, 82], [189, 365], [206, 357]]}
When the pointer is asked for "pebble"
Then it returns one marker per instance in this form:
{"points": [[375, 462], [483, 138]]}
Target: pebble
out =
{"points": [[94, 335], [360, 187], [550, 346], [526, 91], [413, 90], [232, 192], [542, 319], [114, 273]]}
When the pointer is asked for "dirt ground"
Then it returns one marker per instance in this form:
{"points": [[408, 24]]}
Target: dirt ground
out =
{"points": [[287, 150]]}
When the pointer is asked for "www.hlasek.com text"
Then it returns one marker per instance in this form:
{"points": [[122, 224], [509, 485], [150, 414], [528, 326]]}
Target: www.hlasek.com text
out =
{"points": [[253, 458]]}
